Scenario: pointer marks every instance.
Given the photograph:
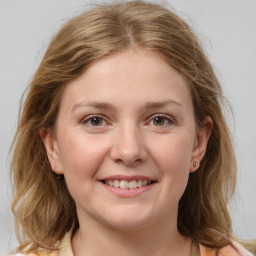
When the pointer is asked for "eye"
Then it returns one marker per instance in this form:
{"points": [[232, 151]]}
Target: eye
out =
{"points": [[160, 121], [94, 121]]}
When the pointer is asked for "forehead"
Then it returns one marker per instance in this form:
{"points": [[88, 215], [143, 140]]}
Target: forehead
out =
{"points": [[133, 75]]}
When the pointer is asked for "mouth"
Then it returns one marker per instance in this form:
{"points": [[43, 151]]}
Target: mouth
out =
{"points": [[127, 184]]}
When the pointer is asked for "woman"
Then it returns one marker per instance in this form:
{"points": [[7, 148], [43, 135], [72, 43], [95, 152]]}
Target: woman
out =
{"points": [[122, 147]]}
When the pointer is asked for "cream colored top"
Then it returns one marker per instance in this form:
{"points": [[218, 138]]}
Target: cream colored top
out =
{"points": [[235, 249]]}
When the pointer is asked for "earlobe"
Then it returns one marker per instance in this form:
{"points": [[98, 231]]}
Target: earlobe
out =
{"points": [[202, 138], [52, 150]]}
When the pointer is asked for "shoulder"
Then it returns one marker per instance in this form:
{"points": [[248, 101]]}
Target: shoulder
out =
{"points": [[234, 249], [64, 248], [16, 254], [33, 254], [249, 245]]}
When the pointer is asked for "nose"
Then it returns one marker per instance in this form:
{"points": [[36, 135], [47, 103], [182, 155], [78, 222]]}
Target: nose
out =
{"points": [[128, 145]]}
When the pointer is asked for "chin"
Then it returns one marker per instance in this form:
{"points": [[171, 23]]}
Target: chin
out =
{"points": [[130, 221]]}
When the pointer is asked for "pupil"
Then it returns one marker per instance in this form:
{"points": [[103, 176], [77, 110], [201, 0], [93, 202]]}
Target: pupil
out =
{"points": [[158, 120], [96, 121]]}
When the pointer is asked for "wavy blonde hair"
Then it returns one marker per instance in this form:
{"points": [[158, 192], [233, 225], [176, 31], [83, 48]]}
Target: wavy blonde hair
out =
{"points": [[42, 205]]}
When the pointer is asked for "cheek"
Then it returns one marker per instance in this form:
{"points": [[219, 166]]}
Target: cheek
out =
{"points": [[172, 156], [173, 153], [81, 157]]}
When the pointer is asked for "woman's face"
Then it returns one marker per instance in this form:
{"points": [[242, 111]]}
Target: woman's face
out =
{"points": [[126, 141]]}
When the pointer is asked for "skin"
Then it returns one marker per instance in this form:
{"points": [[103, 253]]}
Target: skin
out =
{"points": [[145, 127]]}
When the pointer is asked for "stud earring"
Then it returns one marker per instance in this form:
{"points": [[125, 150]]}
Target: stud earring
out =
{"points": [[195, 164], [59, 177]]}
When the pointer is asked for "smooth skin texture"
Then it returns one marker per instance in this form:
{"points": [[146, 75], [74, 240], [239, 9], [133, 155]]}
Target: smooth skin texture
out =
{"points": [[128, 114]]}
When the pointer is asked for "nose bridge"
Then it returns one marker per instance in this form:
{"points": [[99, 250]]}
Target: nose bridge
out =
{"points": [[128, 143]]}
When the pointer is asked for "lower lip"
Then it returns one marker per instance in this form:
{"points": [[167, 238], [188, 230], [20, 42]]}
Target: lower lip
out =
{"points": [[127, 192]]}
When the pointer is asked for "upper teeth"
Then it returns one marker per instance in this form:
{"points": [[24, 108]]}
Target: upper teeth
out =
{"points": [[128, 184]]}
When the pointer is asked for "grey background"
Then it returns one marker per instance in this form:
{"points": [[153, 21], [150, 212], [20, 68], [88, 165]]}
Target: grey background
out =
{"points": [[227, 29]]}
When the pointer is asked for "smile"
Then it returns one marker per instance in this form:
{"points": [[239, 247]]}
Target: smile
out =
{"points": [[132, 184], [128, 186]]}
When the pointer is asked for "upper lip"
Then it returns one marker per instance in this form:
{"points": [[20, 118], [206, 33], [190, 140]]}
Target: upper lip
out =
{"points": [[128, 178]]}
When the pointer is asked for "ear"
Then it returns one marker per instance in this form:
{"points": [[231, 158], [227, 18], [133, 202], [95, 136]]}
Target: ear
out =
{"points": [[200, 144], [52, 150]]}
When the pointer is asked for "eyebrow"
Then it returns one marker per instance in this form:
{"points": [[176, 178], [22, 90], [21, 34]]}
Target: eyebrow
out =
{"points": [[94, 104], [157, 104], [109, 106]]}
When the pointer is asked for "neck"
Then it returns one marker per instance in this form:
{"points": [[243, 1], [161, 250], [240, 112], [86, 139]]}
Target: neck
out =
{"points": [[156, 240]]}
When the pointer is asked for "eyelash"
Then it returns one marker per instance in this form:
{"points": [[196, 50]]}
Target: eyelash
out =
{"points": [[167, 120], [89, 118]]}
